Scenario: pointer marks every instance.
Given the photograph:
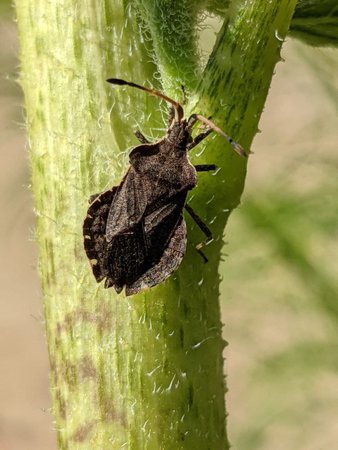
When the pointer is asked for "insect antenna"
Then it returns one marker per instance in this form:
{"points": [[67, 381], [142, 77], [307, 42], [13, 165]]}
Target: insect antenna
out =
{"points": [[238, 148], [177, 107]]}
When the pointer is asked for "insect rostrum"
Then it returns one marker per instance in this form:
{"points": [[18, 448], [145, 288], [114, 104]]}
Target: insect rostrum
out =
{"points": [[135, 233]]}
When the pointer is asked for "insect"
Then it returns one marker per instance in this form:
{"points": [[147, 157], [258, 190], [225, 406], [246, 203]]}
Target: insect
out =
{"points": [[135, 233]]}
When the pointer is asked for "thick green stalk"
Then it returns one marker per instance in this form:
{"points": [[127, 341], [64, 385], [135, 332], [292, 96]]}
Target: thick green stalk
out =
{"points": [[144, 372], [172, 29]]}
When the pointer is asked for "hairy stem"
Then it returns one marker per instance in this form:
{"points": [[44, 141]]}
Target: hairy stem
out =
{"points": [[144, 372]]}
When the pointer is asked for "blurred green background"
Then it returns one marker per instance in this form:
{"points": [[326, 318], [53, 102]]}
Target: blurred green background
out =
{"points": [[279, 290]]}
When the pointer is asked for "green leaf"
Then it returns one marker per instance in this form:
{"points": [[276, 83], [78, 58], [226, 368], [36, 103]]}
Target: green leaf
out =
{"points": [[316, 22]]}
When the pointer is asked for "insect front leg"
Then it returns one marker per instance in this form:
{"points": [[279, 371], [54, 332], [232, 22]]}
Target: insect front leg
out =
{"points": [[191, 122], [205, 167], [199, 138], [140, 137], [204, 228]]}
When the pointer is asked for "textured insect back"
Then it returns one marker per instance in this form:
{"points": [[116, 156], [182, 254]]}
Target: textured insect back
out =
{"points": [[135, 233]]}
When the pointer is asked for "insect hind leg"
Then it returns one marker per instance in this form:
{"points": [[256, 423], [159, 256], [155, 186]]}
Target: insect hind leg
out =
{"points": [[205, 230]]}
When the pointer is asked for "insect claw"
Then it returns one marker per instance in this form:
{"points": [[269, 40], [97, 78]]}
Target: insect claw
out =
{"points": [[202, 254]]}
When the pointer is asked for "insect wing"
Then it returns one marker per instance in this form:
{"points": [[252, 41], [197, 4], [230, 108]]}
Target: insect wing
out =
{"points": [[170, 260], [127, 258], [165, 237], [130, 202], [165, 215], [133, 256]]}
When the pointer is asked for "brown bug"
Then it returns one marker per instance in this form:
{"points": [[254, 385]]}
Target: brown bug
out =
{"points": [[135, 233]]}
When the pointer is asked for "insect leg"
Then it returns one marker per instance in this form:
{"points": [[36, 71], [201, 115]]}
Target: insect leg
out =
{"points": [[205, 167], [199, 138], [140, 137], [203, 227], [191, 121]]}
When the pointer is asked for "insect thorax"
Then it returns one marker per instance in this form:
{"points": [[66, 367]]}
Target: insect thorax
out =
{"points": [[179, 135]]}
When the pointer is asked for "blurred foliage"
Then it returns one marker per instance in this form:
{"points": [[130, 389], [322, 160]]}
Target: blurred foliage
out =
{"points": [[290, 223], [6, 7], [281, 290]]}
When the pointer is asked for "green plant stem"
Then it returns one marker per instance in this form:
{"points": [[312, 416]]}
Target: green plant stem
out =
{"points": [[144, 372], [172, 29]]}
